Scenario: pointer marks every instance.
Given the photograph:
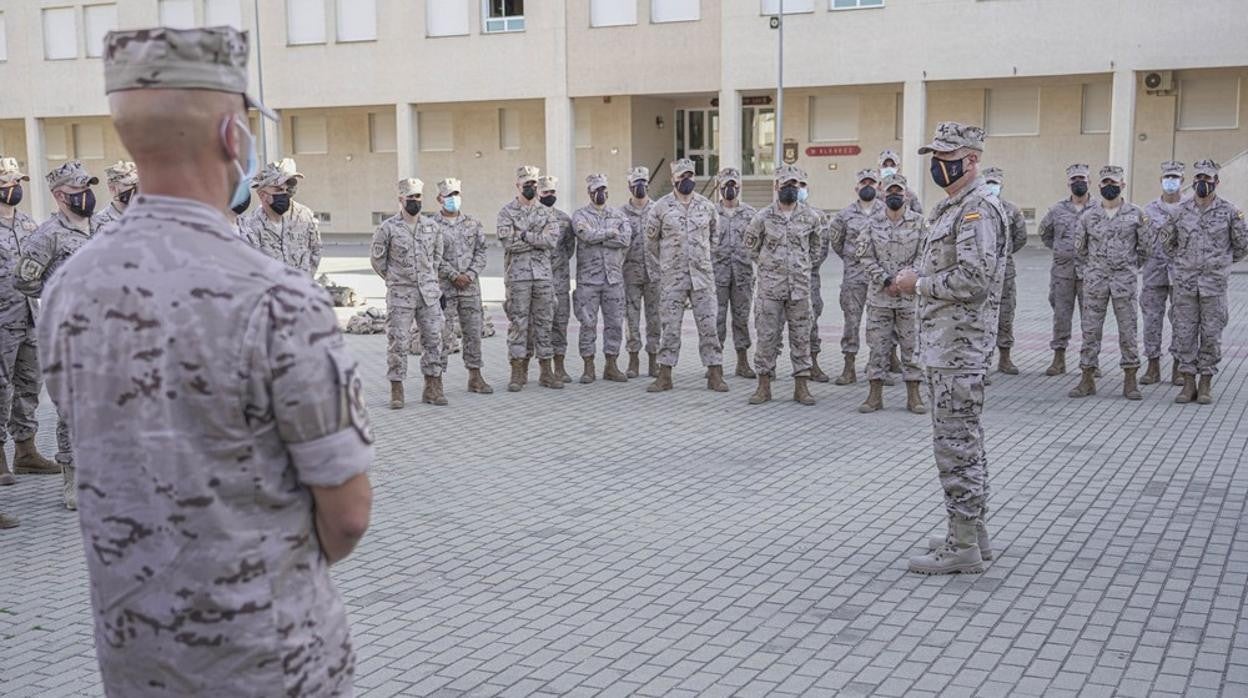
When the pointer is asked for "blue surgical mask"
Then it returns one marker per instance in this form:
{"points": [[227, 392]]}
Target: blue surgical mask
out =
{"points": [[887, 171], [451, 204], [242, 190], [802, 194], [1171, 185], [993, 188]]}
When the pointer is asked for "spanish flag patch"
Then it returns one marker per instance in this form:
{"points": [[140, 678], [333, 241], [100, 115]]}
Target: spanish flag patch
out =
{"points": [[971, 217]]}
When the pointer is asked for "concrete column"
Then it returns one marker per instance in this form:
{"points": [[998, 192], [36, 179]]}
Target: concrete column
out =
{"points": [[272, 139], [407, 140], [36, 167], [1122, 121], [729, 128], [914, 135], [560, 145]]}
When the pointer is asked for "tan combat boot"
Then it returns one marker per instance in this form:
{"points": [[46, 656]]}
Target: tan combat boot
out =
{"points": [[875, 397], [547, 378], [848, 375], [1204, 394], [6, 475], [959, 554], [1087, 384], [816, 374], [28, 461], [763, 393], [715, 379], [801, 391], [560, 372], [1004, 364], [611, 372], [634, 365], [1129, 389], [69, 492], [1176, 377], [653, 369], [981, 535], [516, 383], [1058, 367], [396, 395], [1152, 374], [914, 402], [743, 365], [663, 381], [433, 394], [588, 375], [524, 370], [7, 521], [1188, 393], [477, 384]]}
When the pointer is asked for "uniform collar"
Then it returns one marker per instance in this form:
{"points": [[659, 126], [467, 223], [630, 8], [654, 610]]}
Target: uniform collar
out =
{"points": [[186, 211]]}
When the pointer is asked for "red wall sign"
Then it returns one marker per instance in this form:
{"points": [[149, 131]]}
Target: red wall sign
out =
{"points": [[822, 151]]}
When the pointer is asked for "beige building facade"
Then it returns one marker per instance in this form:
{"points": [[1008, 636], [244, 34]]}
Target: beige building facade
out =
{"points": [[373, 90]]}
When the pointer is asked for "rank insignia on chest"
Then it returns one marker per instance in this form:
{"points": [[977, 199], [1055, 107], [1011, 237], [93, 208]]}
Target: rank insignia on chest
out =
{"points": [[973, 216]]}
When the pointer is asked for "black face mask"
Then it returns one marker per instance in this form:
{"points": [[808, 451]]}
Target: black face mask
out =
{"points": [[11, 195], [895, 201], [412, 206], [1078, 188], [124, 197], [686, 186], [548, 200], [867, 193], [1109, 192], [280, 204], [730, 193], [788, 194], [242, 208], [599, 197], [946, 172], [1205, 187], [639, 190], [528, 191], [81, 204]]}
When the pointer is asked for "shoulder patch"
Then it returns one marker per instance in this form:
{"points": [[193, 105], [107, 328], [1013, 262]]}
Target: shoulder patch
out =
{"points": [[1241, 215]]}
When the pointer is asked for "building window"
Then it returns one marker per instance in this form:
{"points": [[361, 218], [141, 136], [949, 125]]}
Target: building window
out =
{"points": [[60, 34], [88, 141], [223, 13], [612, 13], [791, 7], [1097, 98], [834, 118], [1012, 111], [1209, 103], [177, 14], [436, 131], [853, 4], [56, 142], [305, 22], [382, 134], [584, 131], [357, 20], [503, 16], [508, 129], [98, 21], [4, 42], [309, 135], [446, 18], [675, 11]]}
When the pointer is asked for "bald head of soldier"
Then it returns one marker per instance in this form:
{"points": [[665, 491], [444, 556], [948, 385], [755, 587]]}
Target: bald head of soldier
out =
{"points": [[956, 152], [179, 104]]}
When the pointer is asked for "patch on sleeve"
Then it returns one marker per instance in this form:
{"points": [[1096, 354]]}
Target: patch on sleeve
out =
{"points": [[29, 269], [355, 406], [1241, 215], [972, 216]]}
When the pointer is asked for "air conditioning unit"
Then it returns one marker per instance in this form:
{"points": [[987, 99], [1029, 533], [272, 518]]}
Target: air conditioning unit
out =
{"points": [[1159, 81]]}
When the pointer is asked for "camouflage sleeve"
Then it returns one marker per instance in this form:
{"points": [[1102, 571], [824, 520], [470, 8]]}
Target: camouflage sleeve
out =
{"points": [[314, 242], [1018, 229], [479, 250], [567, 239], [378, 254], [753, 236], [52, 353], [915, 204], [508, 235], [620, 235], [548, 236], [1239, 237], [817, 243], [869, 258], [585, 229], [1046, 230], [302, 382], [1143, 240], [654, 232], [1167, 231], [714, 232], [969, 276], [35, 262], [1081, 238], [837, 229]]}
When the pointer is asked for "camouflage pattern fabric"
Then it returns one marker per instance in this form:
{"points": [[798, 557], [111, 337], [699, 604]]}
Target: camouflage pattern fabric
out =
{"points": [[409, 257], [641, 293], [734, 274], [603, 236], [1057, 232], [293, 239], [529, 233], [1111, 245], [783, 246], [679, 240], [463, 252]]}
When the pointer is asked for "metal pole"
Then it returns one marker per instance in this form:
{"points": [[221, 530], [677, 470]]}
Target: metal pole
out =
{"points": [[779, 154], [264, 146]]}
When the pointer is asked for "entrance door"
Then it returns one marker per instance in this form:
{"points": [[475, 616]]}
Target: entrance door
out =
{"points": [[697, 138], [758, 141]]}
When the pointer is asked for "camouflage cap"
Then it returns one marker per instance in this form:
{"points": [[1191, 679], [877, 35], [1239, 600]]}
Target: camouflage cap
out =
{"points": [[893, 180], [449, 186], [868, 173], [527, 173], [210, 58], [1111, 172], [951, 135], [10, 171], [547, 183], [994, 174], [122, 173], [410, 187], [276, 174], [889, 154], [681, 166], [1078, 170], [1206, 167], [595, 181], [786, 173], [1172, 168], [802, 176], [728, 174], [71, 174], [639, 173]]}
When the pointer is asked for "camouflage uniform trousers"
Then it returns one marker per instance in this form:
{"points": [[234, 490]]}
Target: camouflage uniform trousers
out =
{"points": [[399, 320], [607, 299], [1153, 301], [816, 311], [559, 328], [634, 295], [1009, 299], [1198, 319], [887, 327], [19, 397], [530, 307], [464, 310], [770, 317], [1093, 308], [957, 400], [1064, 296], [736, 294], [672, 315], [853, 301]]}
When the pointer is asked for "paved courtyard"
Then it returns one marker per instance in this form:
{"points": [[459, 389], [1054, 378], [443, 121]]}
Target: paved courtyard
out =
{"points": [[600, 540]]}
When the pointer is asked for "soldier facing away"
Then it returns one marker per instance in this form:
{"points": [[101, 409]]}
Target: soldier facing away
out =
{"points": [[463, 260], [123, 181], [219, 420], [1016, 225], [842, 238], [281, 227], [1155, 290], [561, 274], [602, 238], [734, 272], [641, 292], [1057, 232]]}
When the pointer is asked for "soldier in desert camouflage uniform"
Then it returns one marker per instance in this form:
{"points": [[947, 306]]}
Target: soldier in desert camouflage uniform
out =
{"points": [[734, 273], [463, 260], [1057, 232], [123, 182], [281, 227], [1155, 290], [842, 234], [1016, 225], [602, 238], [641, 292], [889, 163], [561, 273]]}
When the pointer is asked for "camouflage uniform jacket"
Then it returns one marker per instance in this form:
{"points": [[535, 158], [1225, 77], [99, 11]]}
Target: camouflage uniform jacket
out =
{"points": [[1111, 248], [220, 379], [45, 251], [602, 239], [295, 238], [843, 230], [1157, 267], [17, 310], [1204, 243], [408, 258], [561, 255], [1057, 232], [110, 214], [529, 235], [1016, 224], [730, 255], [463, 252], [959, 266], [886, 247], [783, 245], [635, 269], [679, 240]]}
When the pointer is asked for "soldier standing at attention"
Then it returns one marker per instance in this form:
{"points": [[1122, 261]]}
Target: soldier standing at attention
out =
{"points": [[842, 234], [123, 182], [561, 272], [407, 252], [957, 270], [1204, 236], [889, 164], [281, 227], [463, 260], [1057, 232], [639, 288], [602, 239], [529, 233], [782, 240], [1111, 244], [1016, 226], [218, 418], [681, 230], [734, 272], [1157, 269]]}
